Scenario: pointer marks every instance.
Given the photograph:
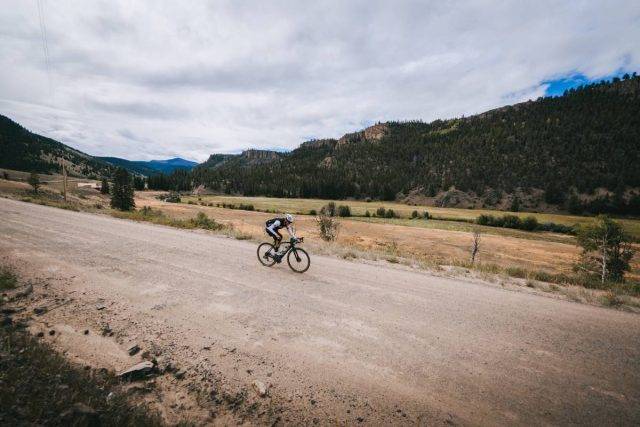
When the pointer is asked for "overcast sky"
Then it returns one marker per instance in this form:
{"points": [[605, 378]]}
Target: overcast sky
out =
{"points": [[157, 79]]}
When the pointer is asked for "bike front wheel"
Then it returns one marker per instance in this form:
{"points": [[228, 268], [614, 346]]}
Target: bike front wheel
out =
{"points": [[265, 254], [298, 260]]}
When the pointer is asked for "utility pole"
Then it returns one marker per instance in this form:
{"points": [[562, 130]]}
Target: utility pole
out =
{"points": [[64, 182]]}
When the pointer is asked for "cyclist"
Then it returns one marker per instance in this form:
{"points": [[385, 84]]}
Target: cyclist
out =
{"points": [[275, 224]]}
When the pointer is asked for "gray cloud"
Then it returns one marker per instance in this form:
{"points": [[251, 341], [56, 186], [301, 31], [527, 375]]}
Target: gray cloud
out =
{"points": [[157, 79], [139, 109]]}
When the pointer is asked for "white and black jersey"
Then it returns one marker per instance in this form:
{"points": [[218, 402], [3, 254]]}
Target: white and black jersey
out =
{"points": [[273, 227]]}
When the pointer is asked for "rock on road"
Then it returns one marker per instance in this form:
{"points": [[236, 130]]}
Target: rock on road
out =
{"points": [[384, 343]]}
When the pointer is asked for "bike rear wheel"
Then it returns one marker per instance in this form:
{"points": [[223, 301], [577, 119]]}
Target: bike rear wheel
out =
{"points": [[265, 254], [298, 260]]}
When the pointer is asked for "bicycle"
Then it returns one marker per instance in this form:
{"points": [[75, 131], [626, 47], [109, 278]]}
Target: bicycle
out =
{"points": [[297, 258]]}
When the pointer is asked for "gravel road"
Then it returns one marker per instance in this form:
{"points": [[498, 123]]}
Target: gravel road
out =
{"points": [[346, 341]]}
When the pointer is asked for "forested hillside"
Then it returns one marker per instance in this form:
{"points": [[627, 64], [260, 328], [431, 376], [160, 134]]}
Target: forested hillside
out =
{"points": [[579, 151], [23, 150]]}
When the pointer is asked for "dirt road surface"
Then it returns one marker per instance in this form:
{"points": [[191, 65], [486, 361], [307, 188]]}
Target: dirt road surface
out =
{"points": [[346, 342]]}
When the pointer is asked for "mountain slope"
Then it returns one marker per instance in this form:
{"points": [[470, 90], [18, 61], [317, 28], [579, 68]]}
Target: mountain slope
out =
{"points": [[550, 148], [21, 149]]}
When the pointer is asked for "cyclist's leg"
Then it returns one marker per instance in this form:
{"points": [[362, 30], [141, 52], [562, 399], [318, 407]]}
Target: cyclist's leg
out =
{"points": [[276, 238]]}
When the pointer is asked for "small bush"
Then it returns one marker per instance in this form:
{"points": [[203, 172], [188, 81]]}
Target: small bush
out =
{"points": [[542, 276], [8, 279], [203, 221], [349, 255], [516, 272], [172, 198], [484, 220], [148, 211], [246, 207], [390, 214], [367, 214], [381, 212], [530, 223], [556, 228], [344, 211], [511, 221], [414, 214], [327, 223], [329, 209], [610, 299], [426, 215], [313, 212]]}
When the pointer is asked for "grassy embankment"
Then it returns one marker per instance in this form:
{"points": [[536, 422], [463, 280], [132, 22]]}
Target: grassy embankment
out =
{"points": [[40, 387]]}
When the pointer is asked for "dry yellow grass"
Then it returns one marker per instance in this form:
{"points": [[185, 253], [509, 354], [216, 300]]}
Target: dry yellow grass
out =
{"points": [[303, 206]]}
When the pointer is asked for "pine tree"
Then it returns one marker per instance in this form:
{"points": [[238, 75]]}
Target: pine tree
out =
{"points": [[34, 181], [138, 183], [122, 191], [606, 250], [104, 186], [515, 204]]}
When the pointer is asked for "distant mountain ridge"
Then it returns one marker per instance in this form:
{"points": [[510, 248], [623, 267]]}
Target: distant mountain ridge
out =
{"points": [[152, 166]]}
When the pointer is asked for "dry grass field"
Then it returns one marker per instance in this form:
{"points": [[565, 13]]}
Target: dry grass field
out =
{"points": [[358, 208]]}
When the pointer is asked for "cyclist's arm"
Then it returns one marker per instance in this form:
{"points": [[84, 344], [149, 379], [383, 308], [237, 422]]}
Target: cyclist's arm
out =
{"points": [[291, 231]]}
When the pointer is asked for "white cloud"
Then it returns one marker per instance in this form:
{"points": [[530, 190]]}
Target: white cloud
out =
{"points": [[155, 79]]}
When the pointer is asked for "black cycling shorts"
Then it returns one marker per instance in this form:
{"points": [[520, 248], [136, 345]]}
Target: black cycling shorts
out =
{"points": [[275, 234]]}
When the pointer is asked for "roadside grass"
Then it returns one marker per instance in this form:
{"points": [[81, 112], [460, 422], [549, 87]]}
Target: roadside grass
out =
{"points": [[156, 216], [39, 387], [359, 208]]}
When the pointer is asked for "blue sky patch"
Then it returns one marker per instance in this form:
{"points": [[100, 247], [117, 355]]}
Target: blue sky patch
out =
{"points": [[556, 87]]}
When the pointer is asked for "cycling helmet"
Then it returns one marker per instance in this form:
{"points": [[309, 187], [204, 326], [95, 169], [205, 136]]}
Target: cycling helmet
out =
{"points": [[289, 217]]}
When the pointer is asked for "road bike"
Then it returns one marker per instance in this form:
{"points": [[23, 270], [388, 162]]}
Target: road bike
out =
{"points": [[297, 258]]}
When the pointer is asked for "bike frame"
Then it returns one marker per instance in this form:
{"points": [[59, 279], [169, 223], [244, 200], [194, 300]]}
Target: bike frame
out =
{"points": [[291, 246]]}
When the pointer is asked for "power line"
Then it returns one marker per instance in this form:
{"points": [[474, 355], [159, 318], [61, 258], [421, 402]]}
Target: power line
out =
{"points": [[45, 44]]}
